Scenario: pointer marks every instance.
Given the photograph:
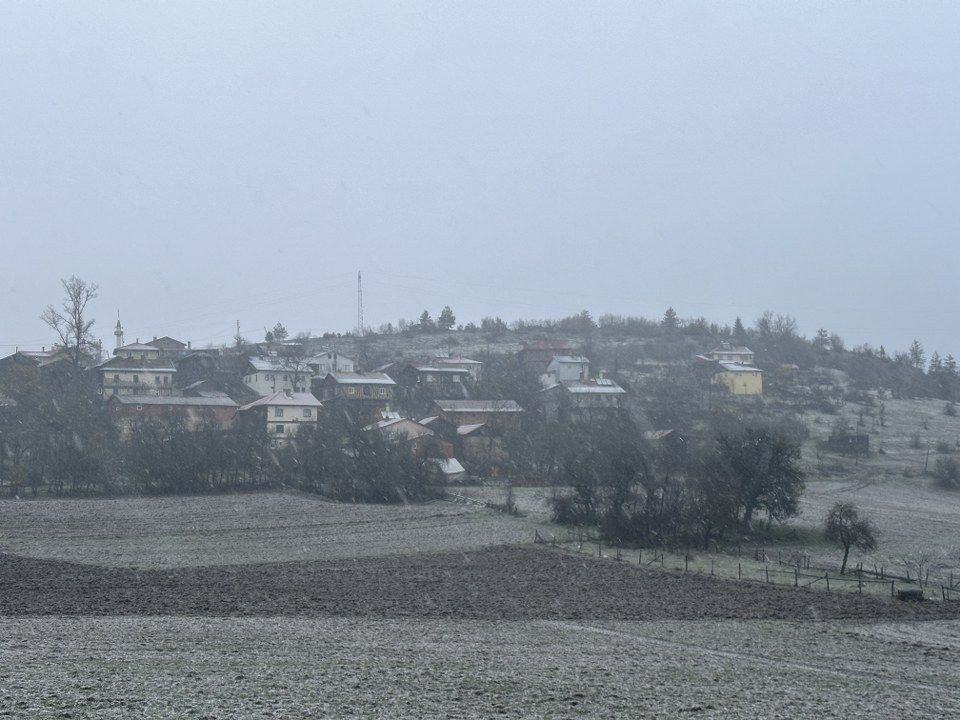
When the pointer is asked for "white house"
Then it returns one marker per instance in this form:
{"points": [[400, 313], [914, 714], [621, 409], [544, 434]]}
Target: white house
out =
{"points": [[728, 353], [330, 361], [283, 412], [564, 368], [270, 375]]}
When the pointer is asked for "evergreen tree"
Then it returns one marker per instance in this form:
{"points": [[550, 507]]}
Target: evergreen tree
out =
{"points": [[740, 332], [426, 322], [822, 339], [936, 364], [670, 320], [917, 356], [447, 319]]}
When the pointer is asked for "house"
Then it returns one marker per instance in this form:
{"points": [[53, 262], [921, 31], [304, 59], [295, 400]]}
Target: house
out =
{"points": [[330, 361], [433, 381], [738, 379], [422, 440], [282, 413], [169, 347], [563, 368], [448, 470], [536, 357], [474, 367], [582, 400], [193, 412], [273, 374], [499, 413], [123, 375], [365, 394], [481, 444], [729, 353]]}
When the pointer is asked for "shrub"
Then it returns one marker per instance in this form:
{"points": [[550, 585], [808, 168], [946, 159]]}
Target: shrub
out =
{"points": [[946, 471]]}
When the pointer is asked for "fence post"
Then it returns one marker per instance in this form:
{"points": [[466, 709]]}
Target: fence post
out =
{"points": [[661, 560], [618, 555], [859, 585], [640, 557], [827, 578], [891, 588], [767, 571], [796, 577], [711, 567], [739, 572], [599, 549], [686, 562]]}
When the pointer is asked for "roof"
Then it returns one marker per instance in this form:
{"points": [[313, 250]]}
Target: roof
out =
{"points": [[467, 429], [427, 420], [371, 378], [484, 406], [322, 353], [727, 348], [277, 365], [447, 360], [284, 398], [166, 339], [136, 346], [573, 359], [432, 368], [599, 386], [737, 367], [391, 422], [144, 364], [174, 401], [449, 466]]}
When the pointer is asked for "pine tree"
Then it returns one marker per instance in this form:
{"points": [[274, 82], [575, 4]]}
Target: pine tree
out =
{"points": [[917, 356], [670, 320], [426, 322], [740, 333], [936, 364], [822, 339], [447, 319]]}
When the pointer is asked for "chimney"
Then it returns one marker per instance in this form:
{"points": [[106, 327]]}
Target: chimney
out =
{"points": [[189, 345]]}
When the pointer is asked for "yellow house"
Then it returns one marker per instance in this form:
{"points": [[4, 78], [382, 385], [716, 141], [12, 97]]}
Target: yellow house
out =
{"points": [[739, 379]]}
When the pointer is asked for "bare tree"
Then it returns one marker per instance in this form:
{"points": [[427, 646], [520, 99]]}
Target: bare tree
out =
{"points": [[848, 529], [71, 323]]}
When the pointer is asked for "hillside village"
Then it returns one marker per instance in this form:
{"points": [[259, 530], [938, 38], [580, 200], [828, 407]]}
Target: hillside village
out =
{"points": [[462, 397]]}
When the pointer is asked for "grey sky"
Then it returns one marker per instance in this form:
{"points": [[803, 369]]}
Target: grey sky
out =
{"points": [[209, 162]]}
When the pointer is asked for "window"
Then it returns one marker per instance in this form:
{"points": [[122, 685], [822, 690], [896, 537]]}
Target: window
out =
{"points": [[136, 378], [116, 379], [307, 412], [166, 379], [278, 412], [139, 407], [351, 391], [156, 379], [383, 392], [278, 429]]}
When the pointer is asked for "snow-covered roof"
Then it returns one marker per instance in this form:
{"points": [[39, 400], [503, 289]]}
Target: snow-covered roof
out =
{"points": [[737, 367], [146, 365], [449, 466], [483, 406], [371, 378], [571, 359], [600, 386], [467, 429], [274, 365], [726, 348], [454, 370], [285, 398], [447, 360], [136, 347]]}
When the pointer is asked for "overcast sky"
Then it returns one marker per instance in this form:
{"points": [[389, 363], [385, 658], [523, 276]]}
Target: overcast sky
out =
{"points": [[208, 162]]}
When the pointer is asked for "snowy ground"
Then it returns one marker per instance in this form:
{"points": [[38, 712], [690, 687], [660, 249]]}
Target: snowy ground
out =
{"points": [[230, 529], [164, 667]]}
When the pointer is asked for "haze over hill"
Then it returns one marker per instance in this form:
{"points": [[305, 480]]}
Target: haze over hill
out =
{"points": [[206, 163]]}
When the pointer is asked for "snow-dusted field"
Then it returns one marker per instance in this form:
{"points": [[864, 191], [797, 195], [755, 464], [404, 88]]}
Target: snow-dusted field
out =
{"points": [[166, 667], [230, 529]]}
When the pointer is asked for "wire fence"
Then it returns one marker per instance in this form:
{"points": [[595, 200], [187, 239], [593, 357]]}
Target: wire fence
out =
{"points": [[758, 567]]}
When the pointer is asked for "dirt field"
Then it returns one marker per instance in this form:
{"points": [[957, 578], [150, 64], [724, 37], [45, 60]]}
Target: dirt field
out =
{"points": [[228, 529], [283, 606], [512, 583], [170, 667]]}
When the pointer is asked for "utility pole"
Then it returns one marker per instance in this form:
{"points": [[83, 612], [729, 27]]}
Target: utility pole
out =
{"points": [[359, 304]]}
